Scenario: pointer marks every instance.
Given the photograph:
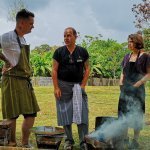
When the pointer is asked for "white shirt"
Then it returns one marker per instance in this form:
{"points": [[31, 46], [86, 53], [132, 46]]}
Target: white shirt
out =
{"points": [[10, 47]]}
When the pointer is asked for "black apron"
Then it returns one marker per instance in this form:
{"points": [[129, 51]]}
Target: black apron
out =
{"points": [[132, 99]]}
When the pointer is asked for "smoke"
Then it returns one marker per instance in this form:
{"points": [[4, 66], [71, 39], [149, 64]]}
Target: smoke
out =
{"points": [[109, 130], [131, 115]]}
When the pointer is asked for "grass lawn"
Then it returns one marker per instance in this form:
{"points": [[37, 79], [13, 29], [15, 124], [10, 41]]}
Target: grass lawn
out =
{"points": [[103, 101]]}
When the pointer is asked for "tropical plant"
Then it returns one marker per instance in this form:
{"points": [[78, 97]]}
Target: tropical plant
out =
{"points": [[105, 56], [39, 65], [147, 39], [41, 62]]}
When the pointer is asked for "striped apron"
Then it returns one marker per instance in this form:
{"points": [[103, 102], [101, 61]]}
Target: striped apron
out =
{"points": [[17, 93], [65, 105]]}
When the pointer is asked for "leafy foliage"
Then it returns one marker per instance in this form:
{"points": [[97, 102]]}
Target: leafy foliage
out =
{"points": [[147, 39], [41, 60], [105, 56], [142, 14]]}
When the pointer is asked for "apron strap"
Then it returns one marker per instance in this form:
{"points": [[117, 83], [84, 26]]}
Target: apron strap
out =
{"points": [[18, 39], [136, 58]]}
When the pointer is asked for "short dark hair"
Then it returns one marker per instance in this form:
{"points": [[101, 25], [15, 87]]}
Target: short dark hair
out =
{"points": [[24, 14], [137, 40], [73, 30]]}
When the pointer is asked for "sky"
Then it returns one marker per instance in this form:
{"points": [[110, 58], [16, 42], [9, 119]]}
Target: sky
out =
{"points": [[112, 19]]}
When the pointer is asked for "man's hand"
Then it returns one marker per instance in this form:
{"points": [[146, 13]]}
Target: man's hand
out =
{"points": [[7, 67], [57, 93], [82, 87]]}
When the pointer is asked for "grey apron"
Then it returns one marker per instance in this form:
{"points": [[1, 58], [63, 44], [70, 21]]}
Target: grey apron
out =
{"points": [[65, 105]]}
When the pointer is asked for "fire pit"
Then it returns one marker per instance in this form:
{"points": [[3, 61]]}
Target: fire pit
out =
{"points": [[94, 144], [48, 137], [101, 120], [109, 134]]}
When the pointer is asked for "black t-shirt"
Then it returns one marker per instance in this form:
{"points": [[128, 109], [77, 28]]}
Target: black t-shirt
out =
{"points": [[71, 66]]}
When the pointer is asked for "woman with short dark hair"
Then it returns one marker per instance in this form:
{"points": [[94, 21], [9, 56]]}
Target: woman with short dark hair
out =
{"points": [[136, 71]]}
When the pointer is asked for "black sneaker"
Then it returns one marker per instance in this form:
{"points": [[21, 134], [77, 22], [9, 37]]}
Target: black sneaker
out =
{"points": [[134, 144]]}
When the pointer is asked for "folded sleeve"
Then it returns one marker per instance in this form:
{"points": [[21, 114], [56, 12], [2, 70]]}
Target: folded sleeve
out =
{"points": [[85, 55], [125, 60], [10, 47], [56, 55]]}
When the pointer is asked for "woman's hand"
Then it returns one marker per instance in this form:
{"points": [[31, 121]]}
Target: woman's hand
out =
{"points": [[138, 84]]}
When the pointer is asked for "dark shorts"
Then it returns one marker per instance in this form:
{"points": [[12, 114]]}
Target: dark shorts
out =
{"points": [[26, 115]]}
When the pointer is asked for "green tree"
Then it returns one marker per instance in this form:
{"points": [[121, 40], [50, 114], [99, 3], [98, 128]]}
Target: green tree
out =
{"points": [[105, 56], [42, 48], [142, 20], [41, 62], [147, 39]]}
